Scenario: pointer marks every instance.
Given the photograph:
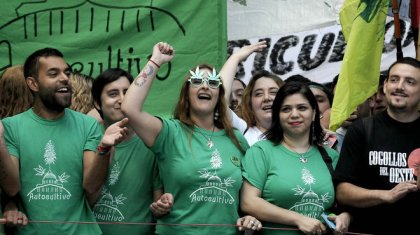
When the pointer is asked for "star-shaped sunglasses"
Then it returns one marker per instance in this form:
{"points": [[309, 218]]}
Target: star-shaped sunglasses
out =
{"points": [[197, 79]]}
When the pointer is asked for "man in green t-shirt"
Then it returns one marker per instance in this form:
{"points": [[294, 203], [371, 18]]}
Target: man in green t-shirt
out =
{"points": [[58, 154], [133, 182]]}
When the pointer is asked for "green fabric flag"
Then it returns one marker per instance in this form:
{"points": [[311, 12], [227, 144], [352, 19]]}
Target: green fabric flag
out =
{"points": [[363, 24], [95, 35]]}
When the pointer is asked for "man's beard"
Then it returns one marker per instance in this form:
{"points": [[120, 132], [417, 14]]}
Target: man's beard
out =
{"points": [[52, 102]]}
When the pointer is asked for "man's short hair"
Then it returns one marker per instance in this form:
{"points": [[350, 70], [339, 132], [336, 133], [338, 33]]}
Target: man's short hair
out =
{"points": [[406, 60], [106, 77], [31, 66]]}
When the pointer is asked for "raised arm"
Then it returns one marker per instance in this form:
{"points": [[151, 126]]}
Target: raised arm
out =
{"points": [[146, 126], [9, 168], [228, 71]]}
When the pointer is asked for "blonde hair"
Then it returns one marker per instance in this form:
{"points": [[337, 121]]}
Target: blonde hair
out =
{"points": [[15, 96], [82, 100]]}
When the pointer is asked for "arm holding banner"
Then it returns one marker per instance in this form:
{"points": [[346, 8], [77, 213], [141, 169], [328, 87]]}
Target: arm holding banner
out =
{"points": [[146, 126]]}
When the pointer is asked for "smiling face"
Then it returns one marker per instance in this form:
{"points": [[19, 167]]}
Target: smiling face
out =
{"points": [[203, 98], [402, 88], [296, 115], [51, 85], [111, 99], [263, 94]]}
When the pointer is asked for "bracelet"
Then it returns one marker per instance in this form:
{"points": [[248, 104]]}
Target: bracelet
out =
{"points": [[103, 150], [155, 63]]}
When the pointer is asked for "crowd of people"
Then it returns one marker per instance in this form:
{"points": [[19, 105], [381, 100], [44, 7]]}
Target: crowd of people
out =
{"points": [[77, 158]]}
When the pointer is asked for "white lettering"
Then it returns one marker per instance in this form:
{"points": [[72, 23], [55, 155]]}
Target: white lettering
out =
{"points": [[398, 175], [212, 199], [383, 158], [52, 197]]}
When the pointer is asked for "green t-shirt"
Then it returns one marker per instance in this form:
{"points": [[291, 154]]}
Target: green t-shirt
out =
{"points": [[128, 191], [205, 180], [50, 155], [285, 181]]}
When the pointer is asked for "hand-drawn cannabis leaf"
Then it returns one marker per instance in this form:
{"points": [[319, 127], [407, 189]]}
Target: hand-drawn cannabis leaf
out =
{"points": [[119, 199], [216, 160], [307, 177], [204, 173], [299, 190], [49, 154], [40, 170], [228, 182], [325, 197], [104, 191], [115, 173], [63, 177]]}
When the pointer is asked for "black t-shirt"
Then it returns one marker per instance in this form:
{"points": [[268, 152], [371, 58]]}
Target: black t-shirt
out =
{"points": [[381, 162]]}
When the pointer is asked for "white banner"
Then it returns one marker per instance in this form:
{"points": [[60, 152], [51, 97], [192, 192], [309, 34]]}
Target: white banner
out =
{"points": [[316, 54], [262, 18]]}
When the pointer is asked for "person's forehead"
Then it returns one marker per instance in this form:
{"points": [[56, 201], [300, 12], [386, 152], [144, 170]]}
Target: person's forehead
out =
{"points": [[52, 62], [318, 92], [406, 70], [121, 83], [294, 99], [265, 82], [237, 85]]}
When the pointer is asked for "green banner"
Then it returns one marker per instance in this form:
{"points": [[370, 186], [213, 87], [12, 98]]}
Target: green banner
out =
{"points": [[95, 35]]}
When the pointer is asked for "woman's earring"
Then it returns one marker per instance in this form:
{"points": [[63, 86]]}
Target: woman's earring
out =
{"points": [[216, 114]]}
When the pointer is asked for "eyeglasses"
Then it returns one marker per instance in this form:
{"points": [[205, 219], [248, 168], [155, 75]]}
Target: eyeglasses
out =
{"points": [[198, 82]]}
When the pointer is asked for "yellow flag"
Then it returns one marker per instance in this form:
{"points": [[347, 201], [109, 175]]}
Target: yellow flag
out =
{"points": [[363, 26]]}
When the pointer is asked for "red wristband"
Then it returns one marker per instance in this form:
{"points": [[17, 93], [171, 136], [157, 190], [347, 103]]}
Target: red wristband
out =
{"points": [[103, 150], [155, 63]]}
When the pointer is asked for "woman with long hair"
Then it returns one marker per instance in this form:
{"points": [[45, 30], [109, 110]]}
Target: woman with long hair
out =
{"points": [[288, 177], [198, 151], [254, 112]]}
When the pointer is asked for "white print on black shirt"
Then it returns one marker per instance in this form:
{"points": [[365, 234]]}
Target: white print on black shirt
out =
{"points": [[392, 164], [310, 204], [106, 209], [51, 187], [214, 190]]}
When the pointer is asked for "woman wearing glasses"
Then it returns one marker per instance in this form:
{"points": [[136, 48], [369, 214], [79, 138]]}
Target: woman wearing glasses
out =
{"points": [[198, 151]]}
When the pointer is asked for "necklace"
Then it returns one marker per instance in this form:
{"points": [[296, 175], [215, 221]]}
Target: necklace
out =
{"points": [[302, 157], [210, 143]]}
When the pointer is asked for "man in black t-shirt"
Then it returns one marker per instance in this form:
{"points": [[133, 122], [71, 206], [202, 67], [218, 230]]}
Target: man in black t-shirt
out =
{"points": [[373, 175]]}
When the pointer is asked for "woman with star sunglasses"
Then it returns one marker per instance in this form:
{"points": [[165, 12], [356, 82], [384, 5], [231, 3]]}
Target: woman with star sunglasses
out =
{"points": [[198, 152]]}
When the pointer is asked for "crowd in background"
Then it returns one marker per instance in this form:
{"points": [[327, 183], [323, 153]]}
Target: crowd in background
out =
{"points": [[256, 157]]}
